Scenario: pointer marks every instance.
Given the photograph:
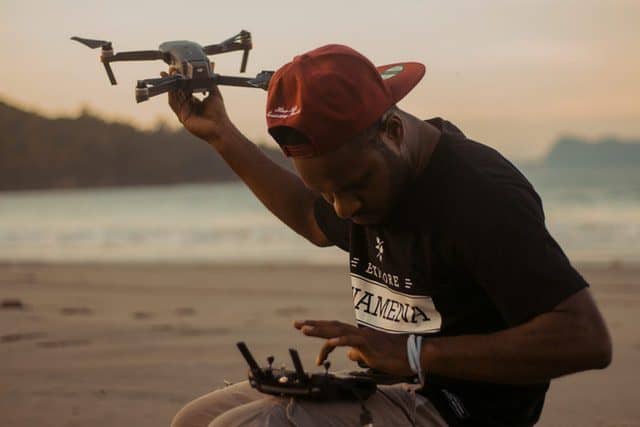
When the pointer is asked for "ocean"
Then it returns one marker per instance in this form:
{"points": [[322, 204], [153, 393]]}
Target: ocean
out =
{"points": [[594, 215]]}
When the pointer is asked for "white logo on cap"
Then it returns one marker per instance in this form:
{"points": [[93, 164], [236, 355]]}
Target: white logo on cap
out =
{"points": [[283, 113], [391, 72]]}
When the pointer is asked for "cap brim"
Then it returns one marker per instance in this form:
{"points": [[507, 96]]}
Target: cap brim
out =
{"points": [[401, 77]]}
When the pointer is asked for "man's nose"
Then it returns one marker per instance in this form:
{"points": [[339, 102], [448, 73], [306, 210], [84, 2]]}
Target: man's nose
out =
{"points": [[346, 205]]}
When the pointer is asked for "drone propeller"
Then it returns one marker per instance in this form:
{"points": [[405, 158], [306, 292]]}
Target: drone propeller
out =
{"points": [[242, 37], [93, 44], [241, 41], [108, 56]]}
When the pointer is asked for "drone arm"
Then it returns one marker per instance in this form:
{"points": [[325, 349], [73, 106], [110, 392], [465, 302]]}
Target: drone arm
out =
{"points": [[140, 55], [215, 49], [260, 81], [157, 86], [108, 57], [241, 41]]}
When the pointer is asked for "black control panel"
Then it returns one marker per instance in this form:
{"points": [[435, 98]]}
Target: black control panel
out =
{"points": [[298, 383]]}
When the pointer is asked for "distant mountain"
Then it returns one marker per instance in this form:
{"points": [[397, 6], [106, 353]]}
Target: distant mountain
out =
{"points": [[605, 152], [38, 153]]}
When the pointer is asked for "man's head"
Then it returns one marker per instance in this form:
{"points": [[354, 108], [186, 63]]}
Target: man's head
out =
{"points": [[363, 177], [334, 113]]}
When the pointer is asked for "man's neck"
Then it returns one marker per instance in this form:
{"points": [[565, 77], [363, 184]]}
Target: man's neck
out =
{"points": [[421, 143]]}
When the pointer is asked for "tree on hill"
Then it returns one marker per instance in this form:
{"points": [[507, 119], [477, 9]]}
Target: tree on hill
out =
{"points": [[37, 153]]}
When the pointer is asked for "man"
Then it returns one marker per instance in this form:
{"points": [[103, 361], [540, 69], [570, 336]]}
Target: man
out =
{"points": [[455, 279]]}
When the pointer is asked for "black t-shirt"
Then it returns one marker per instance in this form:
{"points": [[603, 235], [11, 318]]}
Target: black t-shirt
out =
{"points": [[465, 251]]}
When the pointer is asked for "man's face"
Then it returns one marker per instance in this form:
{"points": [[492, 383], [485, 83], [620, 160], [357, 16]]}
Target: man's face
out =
{"points": [[362, 180]]}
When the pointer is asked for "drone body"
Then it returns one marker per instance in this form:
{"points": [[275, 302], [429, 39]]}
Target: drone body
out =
{"points": [[189, 60], [194, 71]]}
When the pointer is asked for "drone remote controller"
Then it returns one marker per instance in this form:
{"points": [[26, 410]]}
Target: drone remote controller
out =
{"points": [[298, 383]]}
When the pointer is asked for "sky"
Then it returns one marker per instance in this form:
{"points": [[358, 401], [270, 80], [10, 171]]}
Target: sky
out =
{"points": [[511, 74]]}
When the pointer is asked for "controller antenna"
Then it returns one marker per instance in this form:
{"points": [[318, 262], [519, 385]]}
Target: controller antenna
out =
{"points": [[270, 360]]}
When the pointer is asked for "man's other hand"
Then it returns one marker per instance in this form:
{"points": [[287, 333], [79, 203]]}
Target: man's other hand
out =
{"points": [[382, 351]]}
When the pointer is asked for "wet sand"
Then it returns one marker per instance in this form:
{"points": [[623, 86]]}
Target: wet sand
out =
{"points": [[119, 345]]}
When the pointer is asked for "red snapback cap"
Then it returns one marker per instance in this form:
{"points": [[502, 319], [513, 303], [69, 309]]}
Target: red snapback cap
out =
{"points": [[331, 95]]}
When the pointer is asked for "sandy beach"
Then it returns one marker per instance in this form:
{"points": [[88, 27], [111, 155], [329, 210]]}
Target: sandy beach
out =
{"points": [[120, 345]]}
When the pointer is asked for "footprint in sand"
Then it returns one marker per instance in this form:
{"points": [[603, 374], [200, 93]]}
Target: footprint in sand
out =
{"points": [[12, 304], [162, 327], [22, 336], [188, 330], [141, 315], [63, 343], [185, 311], [76, 311]]}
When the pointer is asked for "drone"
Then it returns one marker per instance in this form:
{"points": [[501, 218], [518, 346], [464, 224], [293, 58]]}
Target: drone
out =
{"points": [[194, 71]]}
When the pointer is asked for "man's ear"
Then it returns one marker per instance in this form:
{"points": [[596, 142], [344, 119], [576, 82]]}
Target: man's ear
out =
{"points": [[393, 132]]}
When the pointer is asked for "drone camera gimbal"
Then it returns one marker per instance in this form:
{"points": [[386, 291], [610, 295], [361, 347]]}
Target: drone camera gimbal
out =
{"points": [[194, 71]]}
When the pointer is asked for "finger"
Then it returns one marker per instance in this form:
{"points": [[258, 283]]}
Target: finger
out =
{"points": [[330, 344], [176, 97], [300, 323], [325, 350], [313, 322], [355, 355], [330, 329], [177, 101], [331, 323], [347, 340], [214, 95], [215, 91]]}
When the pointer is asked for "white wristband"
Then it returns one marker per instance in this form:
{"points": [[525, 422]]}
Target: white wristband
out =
{"points": [[414, 348]]}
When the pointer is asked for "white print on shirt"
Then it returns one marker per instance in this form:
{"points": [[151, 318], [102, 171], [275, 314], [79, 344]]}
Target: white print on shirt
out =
{"points": [[380, 248], [385, 309], [387, 278]]}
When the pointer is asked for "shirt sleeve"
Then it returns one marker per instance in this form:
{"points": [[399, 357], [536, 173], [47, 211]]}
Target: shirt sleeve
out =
{"points": [[335, 228], [505, 246]]}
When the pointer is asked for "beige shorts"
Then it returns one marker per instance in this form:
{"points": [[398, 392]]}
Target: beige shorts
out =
{"points": [[241, 405]]}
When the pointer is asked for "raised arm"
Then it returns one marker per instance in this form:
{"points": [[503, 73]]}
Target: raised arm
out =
{"points": [[279, 190]]}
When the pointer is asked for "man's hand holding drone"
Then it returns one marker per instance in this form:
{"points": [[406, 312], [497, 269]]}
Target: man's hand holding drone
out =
{"points": [[207, 118]]}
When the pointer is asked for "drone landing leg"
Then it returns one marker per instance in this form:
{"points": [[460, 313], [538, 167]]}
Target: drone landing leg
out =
{"points": [[109, 71]]}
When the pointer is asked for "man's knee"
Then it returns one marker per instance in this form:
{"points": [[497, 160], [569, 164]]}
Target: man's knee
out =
{"points": [[194, 414], [200, 412], [187, 416], [269, 411]]}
